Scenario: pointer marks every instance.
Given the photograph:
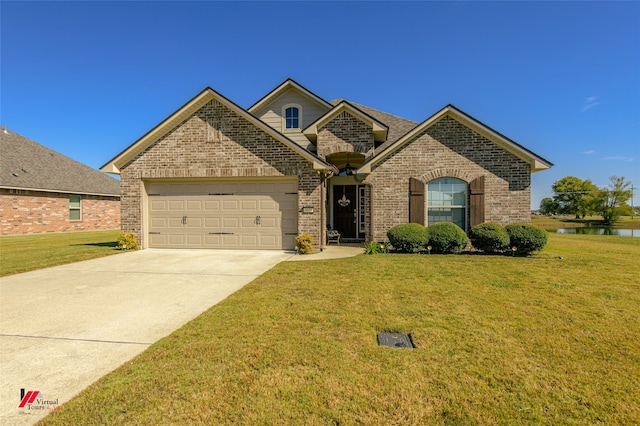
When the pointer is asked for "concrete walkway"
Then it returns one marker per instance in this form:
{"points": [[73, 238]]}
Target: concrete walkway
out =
{"points": [[63, 328], [331, 252]]}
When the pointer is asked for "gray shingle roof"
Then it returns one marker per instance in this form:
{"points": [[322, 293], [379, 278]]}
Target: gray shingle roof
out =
{"points": [[25, 164]]}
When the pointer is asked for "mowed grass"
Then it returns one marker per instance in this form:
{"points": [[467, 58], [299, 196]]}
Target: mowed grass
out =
{"points": [[22, 253], [500, 340]]}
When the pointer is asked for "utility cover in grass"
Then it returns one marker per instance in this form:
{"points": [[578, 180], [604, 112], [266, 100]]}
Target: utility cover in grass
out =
{"points": [[395, 340]]}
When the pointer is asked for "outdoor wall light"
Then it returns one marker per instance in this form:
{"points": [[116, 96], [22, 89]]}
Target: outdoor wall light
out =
{"points": [[307, 209]]}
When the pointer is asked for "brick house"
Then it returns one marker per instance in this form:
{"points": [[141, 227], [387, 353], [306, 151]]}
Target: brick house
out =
{"points": [[216, 175], [42, 190]]}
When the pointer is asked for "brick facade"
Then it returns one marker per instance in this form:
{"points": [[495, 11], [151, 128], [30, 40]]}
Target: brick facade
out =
{"points": [[449, 149], [345, 133], [215, 142], [34, 212]]}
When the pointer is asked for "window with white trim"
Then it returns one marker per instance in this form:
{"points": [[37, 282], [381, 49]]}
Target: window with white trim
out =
{"points": [[447, 201], [75, 207], [291, 117]]}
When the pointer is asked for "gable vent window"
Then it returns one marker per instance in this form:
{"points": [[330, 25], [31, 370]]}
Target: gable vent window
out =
{"points": [[75, 204], [292, 117], [447, 201]]}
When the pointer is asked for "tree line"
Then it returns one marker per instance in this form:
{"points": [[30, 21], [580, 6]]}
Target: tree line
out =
{"points": [[574, 196]]}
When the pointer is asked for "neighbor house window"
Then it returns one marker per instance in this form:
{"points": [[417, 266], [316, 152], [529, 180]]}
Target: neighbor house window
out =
{"points": [[75, 207], [447, 201], [292, 115]]}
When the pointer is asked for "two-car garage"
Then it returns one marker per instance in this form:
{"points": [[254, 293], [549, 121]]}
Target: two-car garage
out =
{"points": [[223, 214]]}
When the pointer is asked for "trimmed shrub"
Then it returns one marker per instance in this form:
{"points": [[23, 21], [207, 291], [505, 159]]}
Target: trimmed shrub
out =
{"points": [[489, 237], [408, 237], [304, 243], [526, 238], [127, 241], [447, 237]]}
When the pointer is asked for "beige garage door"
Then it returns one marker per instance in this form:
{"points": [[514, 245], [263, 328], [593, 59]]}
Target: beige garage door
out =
{"points": [[229, 215]]}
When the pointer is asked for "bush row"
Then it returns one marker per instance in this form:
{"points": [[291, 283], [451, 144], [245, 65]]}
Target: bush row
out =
{"points": [[445, 237]]}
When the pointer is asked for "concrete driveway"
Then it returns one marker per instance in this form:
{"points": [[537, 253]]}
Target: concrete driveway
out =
{"points": [[63, 328]]}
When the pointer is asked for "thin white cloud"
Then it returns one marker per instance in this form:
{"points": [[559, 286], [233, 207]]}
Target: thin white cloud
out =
{"points": [[589, 103], [620, 158], [588, 152]]}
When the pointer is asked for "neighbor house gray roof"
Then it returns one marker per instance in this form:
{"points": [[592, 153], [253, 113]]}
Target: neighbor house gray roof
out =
{"points": [[25, 164]]}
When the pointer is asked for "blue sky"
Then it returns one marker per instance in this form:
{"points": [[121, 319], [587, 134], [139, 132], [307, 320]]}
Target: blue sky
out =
{"points": [[89, 78]]}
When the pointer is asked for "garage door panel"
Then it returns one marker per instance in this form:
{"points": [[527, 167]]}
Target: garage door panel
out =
{"points": [[269, 240], [249, 205], [175, 222], [194, 222], [249, 240], [230, 222], [212, 205], [230, 240], [223, 215], [157, 240], [176, 239], [158, 205], [288, 205], [195, 240], [194, 206], [176, 205], [212, 222], [158, 222], [269, 205], [230, 205], [270, 223], [248, 222]]}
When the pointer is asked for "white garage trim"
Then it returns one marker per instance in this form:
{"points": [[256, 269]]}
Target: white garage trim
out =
{"points": [[222, 214]]}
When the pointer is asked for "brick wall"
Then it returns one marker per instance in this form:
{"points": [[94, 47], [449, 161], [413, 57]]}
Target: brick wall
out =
{"points": [[450, 149], [33, 212], [216, 142], [345, 133]]}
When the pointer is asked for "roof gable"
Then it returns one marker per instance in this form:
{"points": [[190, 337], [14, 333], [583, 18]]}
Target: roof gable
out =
{"points": [[398, 126], [537, 163], [379, 129], [188, 109], [288, 84], [25, 164]]}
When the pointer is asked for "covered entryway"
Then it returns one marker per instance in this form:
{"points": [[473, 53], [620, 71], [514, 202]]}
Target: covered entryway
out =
{"points": [[348, 211], [231, 214]]}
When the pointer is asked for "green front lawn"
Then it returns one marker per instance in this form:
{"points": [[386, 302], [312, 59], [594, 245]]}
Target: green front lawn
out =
{"points": [[22, 253], [500, 340]]}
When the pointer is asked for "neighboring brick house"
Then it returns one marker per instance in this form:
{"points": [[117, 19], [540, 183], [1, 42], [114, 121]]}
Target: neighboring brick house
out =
{"points": [[216, 175], [42, 190]]}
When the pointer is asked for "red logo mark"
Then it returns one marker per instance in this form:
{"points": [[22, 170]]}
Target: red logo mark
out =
{"points": [[28, 398]]}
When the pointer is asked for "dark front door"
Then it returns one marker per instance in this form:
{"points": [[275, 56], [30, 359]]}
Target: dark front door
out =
{"points": [[345, 210]]}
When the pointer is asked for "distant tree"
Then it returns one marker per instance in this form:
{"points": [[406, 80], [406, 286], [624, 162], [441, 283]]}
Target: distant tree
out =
{"points": [[574, 196], [548, 206], [611, 201]]}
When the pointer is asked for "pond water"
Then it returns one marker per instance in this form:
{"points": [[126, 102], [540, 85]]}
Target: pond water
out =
{"points": [[593, 230]]}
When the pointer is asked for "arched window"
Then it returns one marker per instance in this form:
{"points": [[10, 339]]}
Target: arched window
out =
{"points": [[447, 201], [292, 118]]}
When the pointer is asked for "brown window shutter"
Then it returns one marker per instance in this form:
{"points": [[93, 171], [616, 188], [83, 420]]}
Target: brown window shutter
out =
{"points": [[476, 202], [416, 201]]}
